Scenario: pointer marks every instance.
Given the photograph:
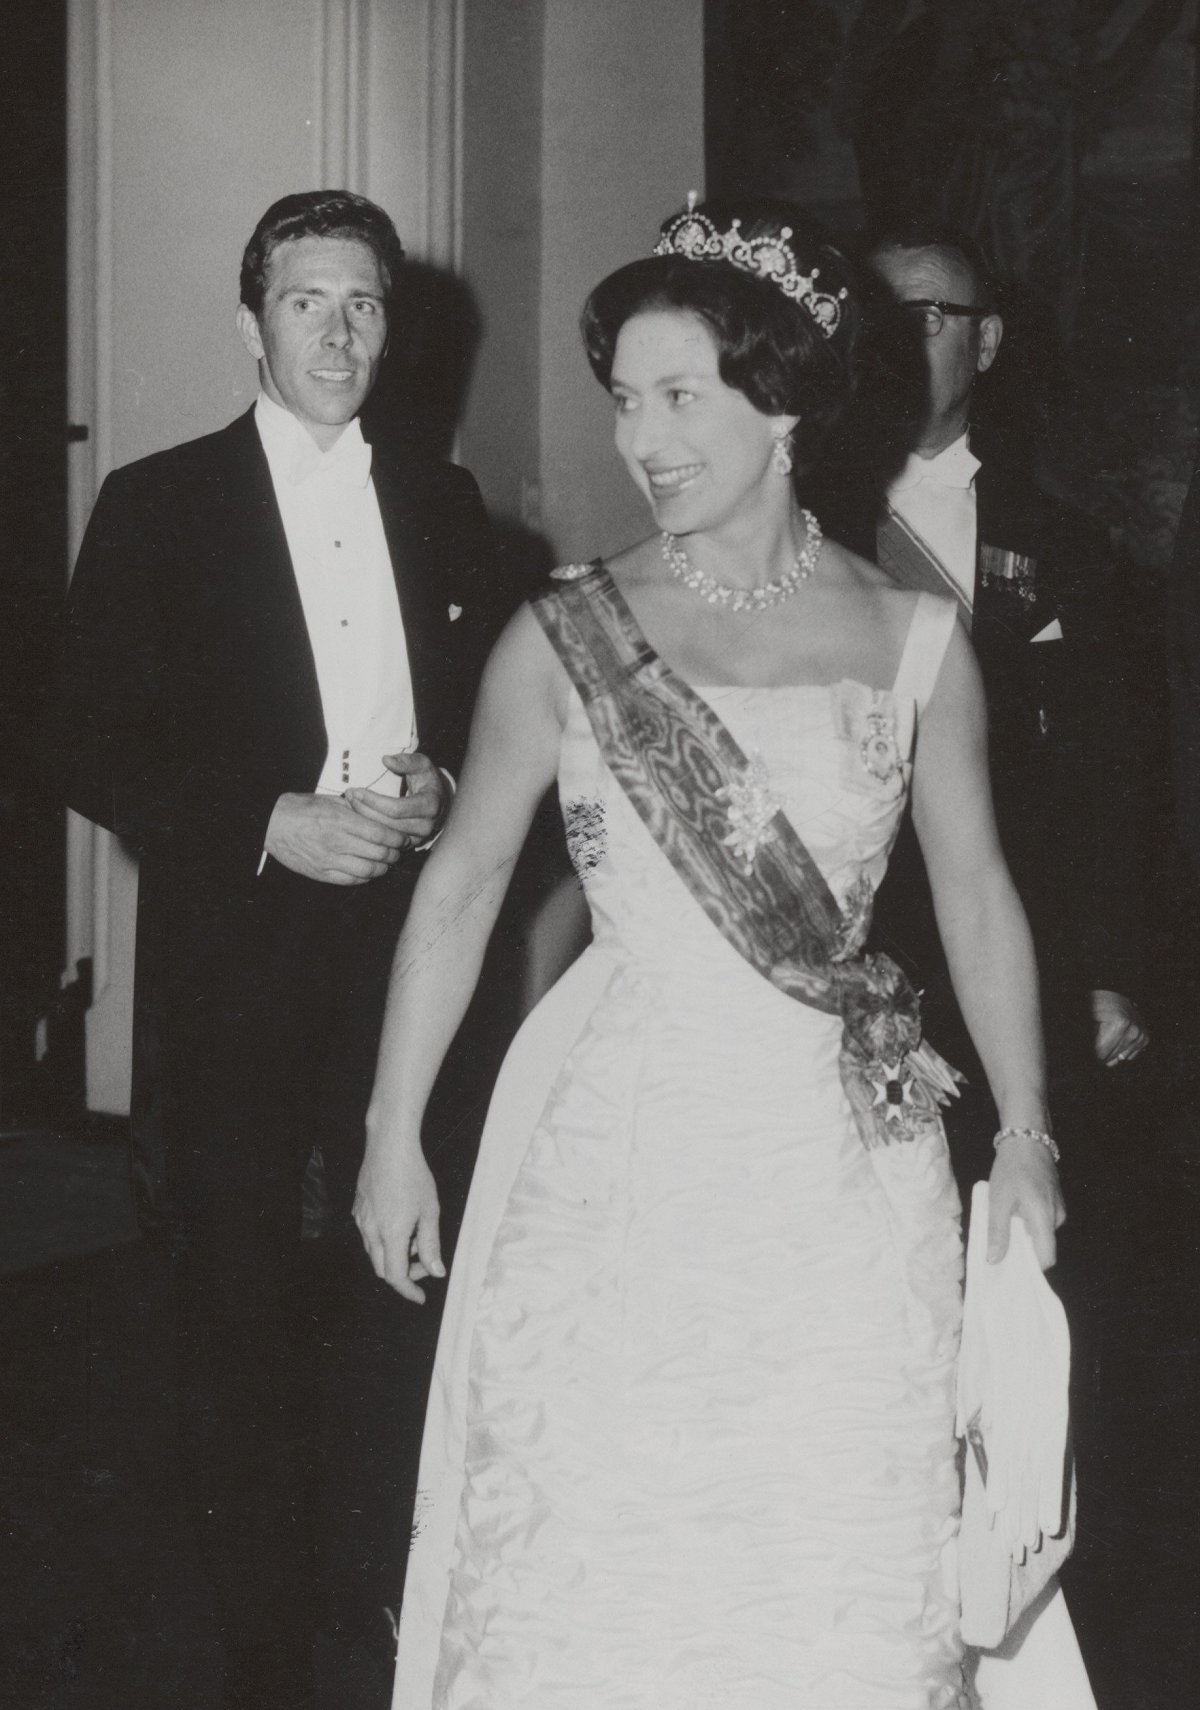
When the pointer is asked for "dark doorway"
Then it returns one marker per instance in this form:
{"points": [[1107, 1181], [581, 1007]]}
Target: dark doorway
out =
{"points": [[33, 530]]}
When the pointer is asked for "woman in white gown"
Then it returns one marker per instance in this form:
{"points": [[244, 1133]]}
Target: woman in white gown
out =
{"points": [[690, 1440]]}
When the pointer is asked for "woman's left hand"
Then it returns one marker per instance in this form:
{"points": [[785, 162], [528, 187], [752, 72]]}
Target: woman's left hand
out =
{"points": [[1024, 1183]]}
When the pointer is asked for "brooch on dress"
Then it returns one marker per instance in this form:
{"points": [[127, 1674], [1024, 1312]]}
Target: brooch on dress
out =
{"points": [[752, 807], [874, 733], [878, 746], [587, 834]]}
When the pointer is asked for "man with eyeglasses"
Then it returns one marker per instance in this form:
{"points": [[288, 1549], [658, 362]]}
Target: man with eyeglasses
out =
{"points": [[1034, 583]]}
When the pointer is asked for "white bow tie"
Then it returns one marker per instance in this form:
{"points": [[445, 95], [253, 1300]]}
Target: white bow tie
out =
{"points": [[954, 467], [347, 463]]}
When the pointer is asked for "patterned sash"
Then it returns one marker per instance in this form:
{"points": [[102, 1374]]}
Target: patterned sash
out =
{"points": [[703, 802]]}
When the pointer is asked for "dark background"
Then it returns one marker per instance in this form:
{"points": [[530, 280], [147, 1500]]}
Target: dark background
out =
{"points": [[33, 525], [1061, 131], [1061, 134]]}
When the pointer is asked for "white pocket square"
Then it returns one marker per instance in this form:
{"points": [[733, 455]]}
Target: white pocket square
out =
{"points": [[1052, 632], [455, 613]]}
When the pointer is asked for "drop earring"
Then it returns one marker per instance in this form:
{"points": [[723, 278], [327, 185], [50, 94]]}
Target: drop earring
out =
{"points": [[781, 452]]}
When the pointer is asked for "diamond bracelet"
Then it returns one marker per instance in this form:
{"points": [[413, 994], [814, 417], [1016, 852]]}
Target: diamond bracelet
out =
{"points": [[1038, 1134]]}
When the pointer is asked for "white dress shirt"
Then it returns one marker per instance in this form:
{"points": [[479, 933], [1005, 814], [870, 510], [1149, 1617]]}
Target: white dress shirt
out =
{"points": [[344, 575], [935, 496]]}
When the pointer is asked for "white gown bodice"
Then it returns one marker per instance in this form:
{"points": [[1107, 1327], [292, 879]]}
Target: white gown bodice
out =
{"points": [[837, 759]]}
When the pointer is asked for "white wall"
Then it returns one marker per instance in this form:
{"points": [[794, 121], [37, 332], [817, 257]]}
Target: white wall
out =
{"points": [[190, 178], [582, 126], [500, 251], [535, 143], [187, 119], [622, 144]]}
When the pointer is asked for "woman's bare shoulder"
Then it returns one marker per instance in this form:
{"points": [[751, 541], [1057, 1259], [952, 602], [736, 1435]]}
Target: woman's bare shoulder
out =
{"points": [[873, 590], [523, 670], [521, 644], [876, 604]]}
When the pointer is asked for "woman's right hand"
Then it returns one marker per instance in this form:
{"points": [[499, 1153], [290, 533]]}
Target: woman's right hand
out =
{"points": [[511, 761], [396, 1210]]}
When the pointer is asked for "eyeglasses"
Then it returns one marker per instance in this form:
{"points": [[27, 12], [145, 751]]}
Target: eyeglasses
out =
{"points": [[930, 313]]}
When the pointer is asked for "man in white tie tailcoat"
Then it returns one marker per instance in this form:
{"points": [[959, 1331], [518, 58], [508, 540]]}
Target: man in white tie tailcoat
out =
{"points": [[1072, 756], [1035, 585], [271, 649]]}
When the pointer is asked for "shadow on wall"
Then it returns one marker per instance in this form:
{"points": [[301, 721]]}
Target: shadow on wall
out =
{"points": [[422, 386], [421, 394]]}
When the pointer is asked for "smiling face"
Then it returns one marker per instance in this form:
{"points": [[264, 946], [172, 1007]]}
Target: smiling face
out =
{"points": [[321, 334], [697, 448]]}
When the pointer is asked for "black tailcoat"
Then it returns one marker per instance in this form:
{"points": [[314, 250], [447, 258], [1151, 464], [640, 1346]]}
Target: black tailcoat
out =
{"points": [[187, 698], [185, 703]]}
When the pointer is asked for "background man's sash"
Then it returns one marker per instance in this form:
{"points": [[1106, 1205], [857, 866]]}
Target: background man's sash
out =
{"points": [[912, 563]]}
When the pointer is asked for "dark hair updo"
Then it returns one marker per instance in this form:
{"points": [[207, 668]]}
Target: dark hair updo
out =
{"points": [[769, 346], [318, 213]]}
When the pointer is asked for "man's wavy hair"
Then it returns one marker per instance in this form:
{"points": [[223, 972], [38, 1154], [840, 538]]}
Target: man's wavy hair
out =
{"points": [[319, 213], [769, 347]]}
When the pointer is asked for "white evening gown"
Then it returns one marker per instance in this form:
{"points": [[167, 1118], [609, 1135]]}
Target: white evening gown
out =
{"points": [[690, 1441]]}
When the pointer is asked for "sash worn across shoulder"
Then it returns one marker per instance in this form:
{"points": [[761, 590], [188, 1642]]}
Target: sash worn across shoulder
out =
{"points": [[912, 563], [708, 810]]}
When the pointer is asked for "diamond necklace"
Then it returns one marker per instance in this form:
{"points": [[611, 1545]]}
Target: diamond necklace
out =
{"points": [[746, 599]]}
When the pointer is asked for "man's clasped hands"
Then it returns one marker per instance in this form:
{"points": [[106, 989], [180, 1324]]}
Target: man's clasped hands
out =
{"points": [[352, 838]]}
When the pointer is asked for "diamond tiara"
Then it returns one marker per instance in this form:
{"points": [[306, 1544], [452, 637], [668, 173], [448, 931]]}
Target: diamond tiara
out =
{"points": [[694, 237]]}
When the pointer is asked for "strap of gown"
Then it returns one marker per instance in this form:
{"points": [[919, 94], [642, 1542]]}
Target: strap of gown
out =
{"points": [[929, 631]]}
